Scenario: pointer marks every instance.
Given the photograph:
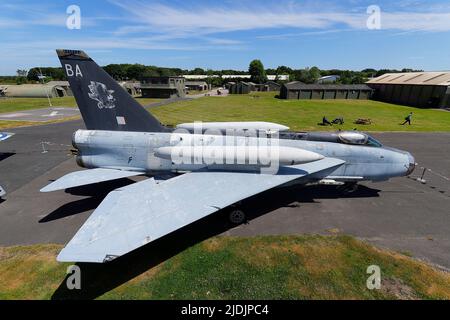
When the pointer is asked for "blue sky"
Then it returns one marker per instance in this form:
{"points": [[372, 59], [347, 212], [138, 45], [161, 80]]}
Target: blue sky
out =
{"points": [[228, 34]]}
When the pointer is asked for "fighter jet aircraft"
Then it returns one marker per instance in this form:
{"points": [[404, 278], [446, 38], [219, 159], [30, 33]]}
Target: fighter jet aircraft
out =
{"points": [[212, 171], [4, 136]]}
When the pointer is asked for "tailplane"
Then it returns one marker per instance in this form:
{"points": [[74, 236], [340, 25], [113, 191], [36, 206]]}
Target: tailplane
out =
{"points": [[103, 103]]}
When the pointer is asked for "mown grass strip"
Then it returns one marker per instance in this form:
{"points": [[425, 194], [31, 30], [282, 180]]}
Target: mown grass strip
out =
{"points": [[275, 267]]}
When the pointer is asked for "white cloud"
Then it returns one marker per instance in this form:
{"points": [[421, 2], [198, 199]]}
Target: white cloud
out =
{"points": [[162, 18], [221, 41], [99, 43], [216, 19], [33, 52], [416, 21], [191, 27], [10, 23], [46, 20]]}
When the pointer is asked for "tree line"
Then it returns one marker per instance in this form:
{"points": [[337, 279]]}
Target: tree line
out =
{"points": [[312, 75], [126, 72]]}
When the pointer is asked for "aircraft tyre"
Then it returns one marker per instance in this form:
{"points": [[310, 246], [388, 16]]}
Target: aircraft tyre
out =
{"points": [[348, 188], [237, 216]]}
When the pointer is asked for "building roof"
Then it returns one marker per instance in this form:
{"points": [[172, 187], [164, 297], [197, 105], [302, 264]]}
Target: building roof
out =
{"points": [[23, 87], [164, 77], [236, 76], [199, 76], [416, 78], [329, 77], [281, 77], [292, 84], [58, 83], [195, 83], [273, 83], [297, 85], [29, 90]]}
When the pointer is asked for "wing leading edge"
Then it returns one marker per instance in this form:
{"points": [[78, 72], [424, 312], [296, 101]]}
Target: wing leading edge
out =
{"points": [[135, 215], [86, 177], [5, 136]]}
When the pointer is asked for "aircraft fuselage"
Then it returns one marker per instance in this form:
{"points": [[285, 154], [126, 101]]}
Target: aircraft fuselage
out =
{"points": [[135, 151]]}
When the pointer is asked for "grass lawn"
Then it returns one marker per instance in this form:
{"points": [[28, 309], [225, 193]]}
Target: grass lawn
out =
{"points": [[23, 104], [299, 115], [302, 114], [276, 267], [14, 124], [147, 101]]}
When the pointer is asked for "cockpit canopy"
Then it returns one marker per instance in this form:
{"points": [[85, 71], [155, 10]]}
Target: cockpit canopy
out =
{"points": [[358, 138], [345, 137]]}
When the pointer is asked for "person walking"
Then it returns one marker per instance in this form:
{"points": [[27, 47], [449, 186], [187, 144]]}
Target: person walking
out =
{"points": [[408, 119], [325, 121]]}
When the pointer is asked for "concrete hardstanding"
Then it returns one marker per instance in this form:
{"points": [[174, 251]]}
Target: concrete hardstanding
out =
{"points": [[402, 214]]}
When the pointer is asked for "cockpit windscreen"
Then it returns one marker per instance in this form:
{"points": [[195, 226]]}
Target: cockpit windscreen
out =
{"points": [[359, 138]]}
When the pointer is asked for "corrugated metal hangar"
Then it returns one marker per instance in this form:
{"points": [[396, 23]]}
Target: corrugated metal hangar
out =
{"points": [[268, 86], [247, 87], [417, 89], [241, 87], [52, 90], [299, 90]]}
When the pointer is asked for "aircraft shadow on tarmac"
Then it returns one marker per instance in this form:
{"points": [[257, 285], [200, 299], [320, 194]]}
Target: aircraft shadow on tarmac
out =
{"points": [[95, 193], [98, 279], [4, 156]]}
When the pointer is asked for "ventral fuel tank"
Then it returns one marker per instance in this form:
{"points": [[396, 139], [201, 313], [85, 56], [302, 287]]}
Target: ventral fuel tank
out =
{"points": [[268, 127], [242, 155]]}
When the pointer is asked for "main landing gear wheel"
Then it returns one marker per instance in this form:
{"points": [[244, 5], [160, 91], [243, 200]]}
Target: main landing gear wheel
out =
{"points": [[348, 188], [237, 216]]}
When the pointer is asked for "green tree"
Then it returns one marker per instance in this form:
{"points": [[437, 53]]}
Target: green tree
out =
{"points": [[166, 72], [314, 74], [135, 71], [48, 72], [54, 73], [150, 72], [198, 71], [21, 73], [257, 72], [33, 74], [21, 80], [284, 70], [117, 71], [308, 75]]}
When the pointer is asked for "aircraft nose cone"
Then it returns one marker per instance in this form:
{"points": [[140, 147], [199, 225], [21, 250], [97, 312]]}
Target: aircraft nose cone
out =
{"points": [[411, 165]]}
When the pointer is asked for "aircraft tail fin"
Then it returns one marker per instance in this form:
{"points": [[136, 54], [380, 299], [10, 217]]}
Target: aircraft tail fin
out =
{"points": [[103, 103]]}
